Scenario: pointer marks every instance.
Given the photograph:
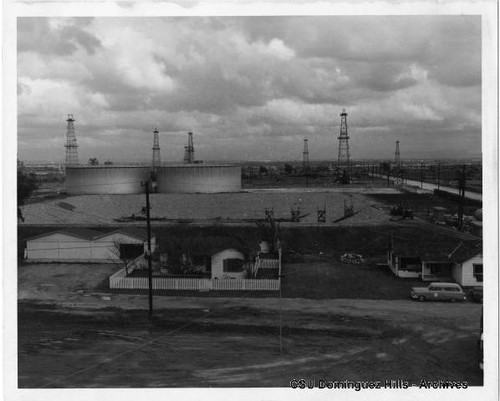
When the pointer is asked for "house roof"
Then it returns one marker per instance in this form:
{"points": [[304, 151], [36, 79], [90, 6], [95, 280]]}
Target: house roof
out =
{"points": [[466, 251], [437, 251], [139, 233], [88, 234], [77, 232]]}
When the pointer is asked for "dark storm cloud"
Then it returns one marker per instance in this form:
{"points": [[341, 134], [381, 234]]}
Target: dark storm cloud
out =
{"points": [[35, 34], [234, 78]]}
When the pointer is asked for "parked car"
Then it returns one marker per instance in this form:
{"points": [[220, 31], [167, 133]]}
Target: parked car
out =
{"points": [[439, 292]]}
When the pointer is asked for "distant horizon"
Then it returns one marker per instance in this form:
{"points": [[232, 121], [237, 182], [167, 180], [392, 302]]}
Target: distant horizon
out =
{"points": [[118, 162]]}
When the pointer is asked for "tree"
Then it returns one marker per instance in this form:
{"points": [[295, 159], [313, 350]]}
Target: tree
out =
{"points": [[289, 168], [270, 231], [93, 161], [385, 167], [25, 187]]}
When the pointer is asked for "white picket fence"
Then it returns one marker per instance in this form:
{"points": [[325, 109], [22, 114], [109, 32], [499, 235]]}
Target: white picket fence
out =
{"points": [[119, 281]]}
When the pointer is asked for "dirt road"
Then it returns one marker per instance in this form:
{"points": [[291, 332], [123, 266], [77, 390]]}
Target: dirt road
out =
{"points": [[74, 334]]}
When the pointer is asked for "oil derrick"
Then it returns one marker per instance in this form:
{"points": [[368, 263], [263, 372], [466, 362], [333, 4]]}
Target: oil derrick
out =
{"points": [[189, 150], [343, 159], [397, 156], [71, 145], [156, 150], [398, 179], [305, 162], [322, 215], [305, 157]]}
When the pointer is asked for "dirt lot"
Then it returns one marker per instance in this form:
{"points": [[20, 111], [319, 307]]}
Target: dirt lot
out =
{"points": [[212, 208], [73, 334]]}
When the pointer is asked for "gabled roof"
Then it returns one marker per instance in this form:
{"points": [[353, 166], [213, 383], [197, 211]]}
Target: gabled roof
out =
{"points": [[437, 251], [89, 235], [138, 233], [83, 233], [466, 251]]}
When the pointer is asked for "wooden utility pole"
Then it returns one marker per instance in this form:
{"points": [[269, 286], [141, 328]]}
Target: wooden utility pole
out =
{"points": [[461, 200], [148, 254], [421, 175], [438, 174]]}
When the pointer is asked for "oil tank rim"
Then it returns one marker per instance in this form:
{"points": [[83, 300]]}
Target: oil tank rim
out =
{"points": [[199, 165], [103, 167]]}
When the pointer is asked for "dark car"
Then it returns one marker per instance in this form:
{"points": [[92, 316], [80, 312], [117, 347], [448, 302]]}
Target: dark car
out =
{"points": [[439, 292]]}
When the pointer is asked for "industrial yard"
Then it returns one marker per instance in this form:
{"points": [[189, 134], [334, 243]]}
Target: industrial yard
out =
{"points": [[284, 209], [337, 319]]}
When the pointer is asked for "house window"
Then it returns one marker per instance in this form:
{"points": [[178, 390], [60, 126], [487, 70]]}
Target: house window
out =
{"points": [[477, 271], [131, 251], [411, 264], [232, 265]]}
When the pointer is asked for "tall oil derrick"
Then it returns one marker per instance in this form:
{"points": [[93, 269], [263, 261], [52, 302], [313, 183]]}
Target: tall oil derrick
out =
{"points": [[305, 162], [156, 150], [189, 149], [397, 156], [71, 145], [343, 159], [398, 174], [305, 157]]}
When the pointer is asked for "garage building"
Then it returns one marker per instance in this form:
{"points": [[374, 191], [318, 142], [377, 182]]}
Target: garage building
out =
{"points": [[81, 245]]}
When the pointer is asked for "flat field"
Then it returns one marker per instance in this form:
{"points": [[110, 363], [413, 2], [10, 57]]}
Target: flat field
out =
{"points": [[209, 208]]}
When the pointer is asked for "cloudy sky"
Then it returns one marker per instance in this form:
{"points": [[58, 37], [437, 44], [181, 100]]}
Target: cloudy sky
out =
{"points": [[250, 88]]}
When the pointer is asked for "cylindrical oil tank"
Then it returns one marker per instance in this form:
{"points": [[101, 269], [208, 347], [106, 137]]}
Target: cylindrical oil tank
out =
{"points": [[199, 178], [110, 179]]}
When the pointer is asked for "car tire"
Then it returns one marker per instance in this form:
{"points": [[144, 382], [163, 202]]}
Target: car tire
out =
{"points": [[421, 298]]}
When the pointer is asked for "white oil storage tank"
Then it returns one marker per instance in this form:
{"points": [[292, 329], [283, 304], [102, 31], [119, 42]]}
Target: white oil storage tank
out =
{"points": [[199, 178], [109, 179]]}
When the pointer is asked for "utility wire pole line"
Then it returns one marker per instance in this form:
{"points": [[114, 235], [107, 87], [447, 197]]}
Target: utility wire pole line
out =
{"points": [[148, 254]]}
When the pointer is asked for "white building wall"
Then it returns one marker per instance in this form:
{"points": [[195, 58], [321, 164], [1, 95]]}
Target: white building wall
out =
{"points": [[218, 264], [456, 273], [467, 276], [57, 246], [62, 247]]}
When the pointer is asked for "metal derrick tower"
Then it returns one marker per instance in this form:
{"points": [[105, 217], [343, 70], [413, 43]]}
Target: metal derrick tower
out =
{"points": [[189, 149], [305, 156], [71, 145], [156, 149], [343, 159], [397, 156]]}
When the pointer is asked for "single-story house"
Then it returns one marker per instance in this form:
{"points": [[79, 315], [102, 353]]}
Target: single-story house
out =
{"points": [[80, 245], [468, 268], [228, 263], [458, 261]]}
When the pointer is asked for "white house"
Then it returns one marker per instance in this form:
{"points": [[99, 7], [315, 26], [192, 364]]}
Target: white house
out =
{"points": [[434, 261], [228, 263], [468, 266], [79, 245]]}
